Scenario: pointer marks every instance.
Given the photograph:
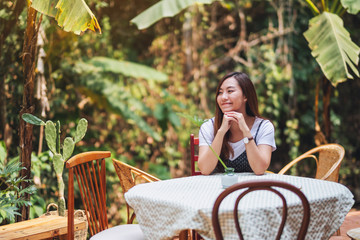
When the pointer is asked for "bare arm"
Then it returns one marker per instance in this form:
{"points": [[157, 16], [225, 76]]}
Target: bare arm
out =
{"points": [[259, 156], [207, 159]]}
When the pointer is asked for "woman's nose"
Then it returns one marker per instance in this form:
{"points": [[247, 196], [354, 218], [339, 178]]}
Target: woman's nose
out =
{"points": [[224, 96]]}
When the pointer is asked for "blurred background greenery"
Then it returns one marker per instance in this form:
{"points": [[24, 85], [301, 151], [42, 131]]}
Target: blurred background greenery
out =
{"points": [[130, 84]]}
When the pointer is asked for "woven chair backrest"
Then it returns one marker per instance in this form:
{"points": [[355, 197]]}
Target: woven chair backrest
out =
{"points": [[330, 157], [130, 176]]}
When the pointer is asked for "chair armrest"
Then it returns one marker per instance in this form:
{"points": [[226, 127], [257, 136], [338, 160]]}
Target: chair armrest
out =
{"points": [[296, 160]]}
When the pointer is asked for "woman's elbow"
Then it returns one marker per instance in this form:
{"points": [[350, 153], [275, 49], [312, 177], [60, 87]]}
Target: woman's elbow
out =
{"points": [[259, 172], [205, 171]]}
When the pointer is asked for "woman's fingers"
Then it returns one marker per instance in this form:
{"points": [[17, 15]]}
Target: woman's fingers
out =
{"points": [[226, 122], [238, 118]]}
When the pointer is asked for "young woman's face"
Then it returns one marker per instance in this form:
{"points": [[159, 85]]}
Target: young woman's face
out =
{"points": [[231, 97]]}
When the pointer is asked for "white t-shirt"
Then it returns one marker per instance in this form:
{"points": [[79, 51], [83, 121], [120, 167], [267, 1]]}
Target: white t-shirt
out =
{"points": [[266, 135]]}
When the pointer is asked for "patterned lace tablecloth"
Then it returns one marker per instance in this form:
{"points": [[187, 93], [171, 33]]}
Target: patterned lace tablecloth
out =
{"points": [[164, 208]]}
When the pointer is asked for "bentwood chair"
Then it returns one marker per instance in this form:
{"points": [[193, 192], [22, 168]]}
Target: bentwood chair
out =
{"points": [[194, 142], [130, 176], [89, 170], [328, 161], [255, 185]]}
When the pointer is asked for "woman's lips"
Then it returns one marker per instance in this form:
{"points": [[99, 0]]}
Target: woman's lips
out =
{"points": [[225, 104]]}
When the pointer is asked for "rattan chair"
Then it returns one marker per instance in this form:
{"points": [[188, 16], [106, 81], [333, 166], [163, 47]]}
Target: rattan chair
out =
{"points": [[130, 176], [254, 185], [328, 161], [90, 172]]}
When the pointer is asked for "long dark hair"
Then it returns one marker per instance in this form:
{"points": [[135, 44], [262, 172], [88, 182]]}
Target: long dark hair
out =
{"points": [[252, 108]]}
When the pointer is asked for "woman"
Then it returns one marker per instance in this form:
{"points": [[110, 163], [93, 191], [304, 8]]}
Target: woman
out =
{"points": [[237, 133]]}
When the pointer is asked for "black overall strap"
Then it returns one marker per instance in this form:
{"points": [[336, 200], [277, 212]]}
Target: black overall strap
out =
{"points": [[258, 131]]}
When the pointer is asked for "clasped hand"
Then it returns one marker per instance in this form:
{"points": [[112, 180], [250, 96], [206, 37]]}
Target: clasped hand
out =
{"points": [[236, 118]]}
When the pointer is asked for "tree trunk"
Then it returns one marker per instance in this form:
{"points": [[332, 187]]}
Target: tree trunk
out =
{"points": [[6, 26], [323, 137], [327, 89], [2, 106], [26, 129]]}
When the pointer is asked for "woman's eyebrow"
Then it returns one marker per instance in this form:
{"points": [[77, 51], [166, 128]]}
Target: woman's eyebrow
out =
{"points": [[228, 87]]}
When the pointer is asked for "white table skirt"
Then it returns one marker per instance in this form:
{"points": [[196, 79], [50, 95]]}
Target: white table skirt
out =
{"points": [[166, 207]]}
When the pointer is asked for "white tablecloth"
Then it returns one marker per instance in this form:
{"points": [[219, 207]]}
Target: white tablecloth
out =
{"points": [[166, 207]]}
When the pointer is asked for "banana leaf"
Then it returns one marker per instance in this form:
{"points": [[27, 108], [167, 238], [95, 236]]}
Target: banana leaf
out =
{"points": [[129, 69], [332, 47], [71, 15], [164, 8], [352, 6]]}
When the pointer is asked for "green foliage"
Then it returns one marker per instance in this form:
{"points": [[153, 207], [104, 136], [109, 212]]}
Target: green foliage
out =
{"points": [[11, 194], [165, 114], [45, 181], [100, 78], [52, 136]]}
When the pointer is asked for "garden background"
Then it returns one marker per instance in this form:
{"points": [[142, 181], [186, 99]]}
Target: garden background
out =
{"points": [[134, 86]]}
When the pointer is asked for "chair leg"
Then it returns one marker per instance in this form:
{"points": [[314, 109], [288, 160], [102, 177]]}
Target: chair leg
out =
{"points": [[338, 232], [195, 235], [184, 235]]}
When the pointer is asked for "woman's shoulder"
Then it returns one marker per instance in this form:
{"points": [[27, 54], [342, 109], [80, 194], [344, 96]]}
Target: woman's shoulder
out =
{"points": [[208, 122], [261, 120], [265, 123]]}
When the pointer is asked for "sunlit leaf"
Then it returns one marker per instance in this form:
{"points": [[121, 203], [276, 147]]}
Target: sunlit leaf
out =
{"points": [[129, 69], [73, 16], [2, 152], [332, 47], [352, 6], [164, 8], [29, 118]]}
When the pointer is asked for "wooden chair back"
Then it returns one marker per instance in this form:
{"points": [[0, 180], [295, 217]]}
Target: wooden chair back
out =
{"points": [[130, 176], [90, 173], [194, 142], [255, 185], [328, 159]]}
